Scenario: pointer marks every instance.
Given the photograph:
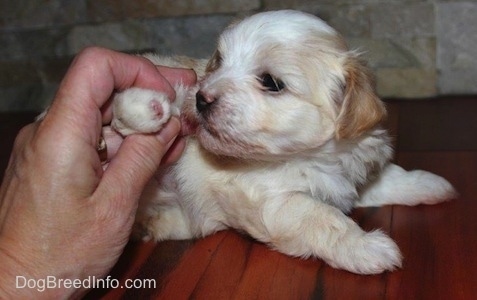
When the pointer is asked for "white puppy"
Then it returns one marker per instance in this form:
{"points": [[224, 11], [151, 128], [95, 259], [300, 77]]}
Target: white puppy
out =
{"points": [[287, 141]]}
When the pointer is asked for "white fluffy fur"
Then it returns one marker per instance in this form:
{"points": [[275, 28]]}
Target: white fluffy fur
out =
{"points": [[285, 166], [146, 111]]}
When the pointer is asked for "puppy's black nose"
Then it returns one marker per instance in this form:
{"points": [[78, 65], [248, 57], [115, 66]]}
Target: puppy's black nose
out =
{"points": [[203, 101]]}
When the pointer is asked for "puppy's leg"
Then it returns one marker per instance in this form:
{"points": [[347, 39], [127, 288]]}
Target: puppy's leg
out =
{"points": [[166, 223], [160, 216], [398, 186], [137, 110], [301, 226]]}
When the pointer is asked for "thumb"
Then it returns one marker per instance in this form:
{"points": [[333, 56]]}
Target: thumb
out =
{"points": [[136, 161]]}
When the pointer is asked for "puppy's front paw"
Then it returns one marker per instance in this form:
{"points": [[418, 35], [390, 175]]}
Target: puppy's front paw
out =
{"points": [[137, 110], [369, 253], [163, 224]]}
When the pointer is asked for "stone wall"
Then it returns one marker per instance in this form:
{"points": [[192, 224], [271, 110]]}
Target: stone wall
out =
{"points": [[418, 48]]}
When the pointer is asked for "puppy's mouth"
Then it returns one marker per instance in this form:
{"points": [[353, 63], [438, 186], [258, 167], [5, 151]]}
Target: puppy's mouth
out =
{"points": [[189, 125]]}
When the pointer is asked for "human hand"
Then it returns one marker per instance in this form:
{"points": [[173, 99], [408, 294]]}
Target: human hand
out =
{"points": [[61, 214]]}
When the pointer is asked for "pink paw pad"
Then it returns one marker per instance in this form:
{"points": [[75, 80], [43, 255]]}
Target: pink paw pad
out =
{"points": [[157, 108]]}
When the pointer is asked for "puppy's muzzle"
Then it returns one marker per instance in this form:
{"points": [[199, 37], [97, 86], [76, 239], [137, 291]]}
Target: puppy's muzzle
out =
{"points": [[203, 101]]}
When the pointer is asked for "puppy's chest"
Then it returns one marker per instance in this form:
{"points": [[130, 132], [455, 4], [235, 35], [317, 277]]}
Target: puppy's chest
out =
{"points": [[248, 185], [236, 198]]}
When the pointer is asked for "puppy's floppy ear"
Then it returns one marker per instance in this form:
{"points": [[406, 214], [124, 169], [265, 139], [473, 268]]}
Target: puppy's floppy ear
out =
{"points": [[361, 108], [214, 62]]}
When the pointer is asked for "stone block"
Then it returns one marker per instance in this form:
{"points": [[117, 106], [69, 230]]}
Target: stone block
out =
{"points": [[406, 83], [12, 46], [32, 44], [349, 20], [30, 85], [382, 53], [17, 73], [41, 14], [423, 50], [192, 36], [398, 53], [52, 70], [24, 97], [112, 10], [121, 36], [456, 25], [304, 4], [402, 20]]}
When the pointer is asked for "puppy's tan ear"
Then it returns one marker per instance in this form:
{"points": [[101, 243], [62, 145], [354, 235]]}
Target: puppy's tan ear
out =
{"points": [[361, 108], [214, 62]]}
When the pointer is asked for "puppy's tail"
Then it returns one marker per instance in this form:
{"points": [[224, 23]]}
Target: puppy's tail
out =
{"points": [[398, 186]]}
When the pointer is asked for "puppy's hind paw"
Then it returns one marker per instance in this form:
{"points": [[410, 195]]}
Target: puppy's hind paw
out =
{"points": [[398, 186], [137, 110], [430, 188]]}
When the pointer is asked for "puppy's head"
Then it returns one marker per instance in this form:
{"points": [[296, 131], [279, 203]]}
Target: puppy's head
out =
{"points": [[282, 83]]}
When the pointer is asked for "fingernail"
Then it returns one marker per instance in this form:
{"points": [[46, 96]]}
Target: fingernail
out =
{"points": [[169, 132]]}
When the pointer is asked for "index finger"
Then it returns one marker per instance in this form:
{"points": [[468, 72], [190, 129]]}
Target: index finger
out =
{"points": [[177, 76]]}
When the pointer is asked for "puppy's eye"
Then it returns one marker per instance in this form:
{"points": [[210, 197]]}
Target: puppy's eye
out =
{"points": [[271, 84]]}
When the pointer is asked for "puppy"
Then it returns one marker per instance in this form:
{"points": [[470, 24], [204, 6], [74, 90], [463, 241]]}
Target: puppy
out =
{"points": [[286, 141]]}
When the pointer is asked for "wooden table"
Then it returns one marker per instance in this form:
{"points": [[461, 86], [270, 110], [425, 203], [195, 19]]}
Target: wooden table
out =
{"points": [[439, 243]]}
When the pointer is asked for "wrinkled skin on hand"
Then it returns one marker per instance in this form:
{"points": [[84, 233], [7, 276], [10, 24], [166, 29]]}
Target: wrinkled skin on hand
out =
{"points": [[62, 213]]}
